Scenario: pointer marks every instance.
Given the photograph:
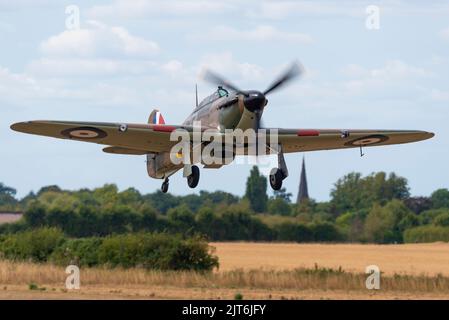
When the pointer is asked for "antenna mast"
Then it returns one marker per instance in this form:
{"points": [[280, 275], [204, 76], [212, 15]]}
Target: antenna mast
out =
{"points": [[196, 94]]}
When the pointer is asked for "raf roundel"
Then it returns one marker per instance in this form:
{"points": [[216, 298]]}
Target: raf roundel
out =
{"points": [[367, 141], [84, 133]]}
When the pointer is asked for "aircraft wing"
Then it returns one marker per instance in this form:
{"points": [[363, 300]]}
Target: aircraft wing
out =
{"points": [[134, 139], [298, 140], [138, 139]]}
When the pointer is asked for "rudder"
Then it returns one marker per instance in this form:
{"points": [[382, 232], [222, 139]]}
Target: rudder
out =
{"points": [[156, 117]]}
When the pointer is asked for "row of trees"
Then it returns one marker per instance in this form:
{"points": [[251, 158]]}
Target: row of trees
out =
{"points": [[374, 208]]}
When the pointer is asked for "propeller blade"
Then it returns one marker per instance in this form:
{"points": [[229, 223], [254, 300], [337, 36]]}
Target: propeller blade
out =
{"points": [[258, 115], [292, 72], [218, 80]]}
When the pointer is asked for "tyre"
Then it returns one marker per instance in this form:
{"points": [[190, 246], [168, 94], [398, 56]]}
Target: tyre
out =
{"points": [[276, 179], [194, 178], [164, 187]]}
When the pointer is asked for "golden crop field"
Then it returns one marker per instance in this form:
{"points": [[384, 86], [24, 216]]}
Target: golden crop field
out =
{"points": [[255, 270], [411, 259]]}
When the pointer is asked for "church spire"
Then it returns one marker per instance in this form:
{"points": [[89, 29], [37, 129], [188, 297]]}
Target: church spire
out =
{"points": [[303, 192]]}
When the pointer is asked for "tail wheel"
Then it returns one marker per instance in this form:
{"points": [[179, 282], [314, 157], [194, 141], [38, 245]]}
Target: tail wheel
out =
{"points": [[276, 178], [164, 187], [194, 178]]}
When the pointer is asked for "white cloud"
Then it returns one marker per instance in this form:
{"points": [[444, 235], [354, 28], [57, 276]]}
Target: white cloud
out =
{"points": [[172, 66], [395, 79], [439, 95], [283, 9], [392, 70], [226, 64], [15, 84], [445, 34], [146, 8], [98, 40], [69, 67], [350, 8], [6, 27], [261, 33]]}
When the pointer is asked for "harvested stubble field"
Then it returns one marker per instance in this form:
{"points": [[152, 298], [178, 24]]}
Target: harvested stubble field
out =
{"points": [[256, 270]]}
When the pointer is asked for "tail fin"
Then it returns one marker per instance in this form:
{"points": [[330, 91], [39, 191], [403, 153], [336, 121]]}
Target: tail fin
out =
{"points": [[156, 117]]}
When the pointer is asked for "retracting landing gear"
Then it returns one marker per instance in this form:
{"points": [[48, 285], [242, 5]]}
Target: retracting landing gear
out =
{"points": [[194, 177], [192, 173], [164, 187], [277, 175]]}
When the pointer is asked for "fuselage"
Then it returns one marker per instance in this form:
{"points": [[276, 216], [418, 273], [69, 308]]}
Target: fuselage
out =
{"points": [[225, 110], [221, 110]]}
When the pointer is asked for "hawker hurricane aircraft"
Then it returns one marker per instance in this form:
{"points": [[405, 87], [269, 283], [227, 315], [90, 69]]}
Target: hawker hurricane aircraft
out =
{"points": [[226, 109]]}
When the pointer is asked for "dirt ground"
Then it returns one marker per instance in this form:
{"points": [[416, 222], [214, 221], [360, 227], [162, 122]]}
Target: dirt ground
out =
{"points": [[163, 292]]}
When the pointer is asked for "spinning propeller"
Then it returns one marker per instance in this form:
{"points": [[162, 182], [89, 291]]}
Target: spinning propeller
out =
{"points": [[255, 100]]}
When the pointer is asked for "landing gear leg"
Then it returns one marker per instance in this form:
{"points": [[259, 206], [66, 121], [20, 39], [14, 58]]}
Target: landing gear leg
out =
{"points": [[164, 187], [277, 175]]}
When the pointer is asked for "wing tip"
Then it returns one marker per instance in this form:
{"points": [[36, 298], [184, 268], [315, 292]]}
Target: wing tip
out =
{"points": [[428, 134], [19, 126], [25, 126]]}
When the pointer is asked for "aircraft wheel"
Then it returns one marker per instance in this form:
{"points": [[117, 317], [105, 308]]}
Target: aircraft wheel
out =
{"points": [[194, 178], [164, 187], [276, 178]]}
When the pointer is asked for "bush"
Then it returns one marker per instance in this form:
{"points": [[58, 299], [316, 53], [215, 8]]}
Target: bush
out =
{"points": [[279, 206], [426, 234], [442, 220], [440, 198], [288, 231], [156, 251], [325, 232], [147, 250], [35, 245], [81, 252]]}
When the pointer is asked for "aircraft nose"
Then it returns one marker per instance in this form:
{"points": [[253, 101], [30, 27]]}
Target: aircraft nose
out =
{"points": [[254, 100]]}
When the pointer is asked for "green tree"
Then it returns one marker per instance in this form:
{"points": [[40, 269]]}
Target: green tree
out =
{"points": [[35, 214], [282, 194], [256, 190], [181, 219], [7, 197], [52, 188], [352, 192], [442, 220], [279, 206], [440, 199], [386, 224]]}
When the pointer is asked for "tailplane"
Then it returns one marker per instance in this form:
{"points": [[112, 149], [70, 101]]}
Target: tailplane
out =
{"points": [[156, 117]]}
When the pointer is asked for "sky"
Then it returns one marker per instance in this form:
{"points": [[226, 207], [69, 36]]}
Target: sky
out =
{"points": [[385, 69]]}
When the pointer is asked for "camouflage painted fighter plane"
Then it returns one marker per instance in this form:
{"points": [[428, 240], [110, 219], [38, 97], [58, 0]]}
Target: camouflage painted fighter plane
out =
{"points": [[227, 108]]}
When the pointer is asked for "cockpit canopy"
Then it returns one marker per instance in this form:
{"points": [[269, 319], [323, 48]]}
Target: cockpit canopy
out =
{"points": [[221, 92]]}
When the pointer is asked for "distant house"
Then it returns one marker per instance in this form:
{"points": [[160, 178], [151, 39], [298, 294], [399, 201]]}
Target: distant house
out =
{"points": [[7, 217]]}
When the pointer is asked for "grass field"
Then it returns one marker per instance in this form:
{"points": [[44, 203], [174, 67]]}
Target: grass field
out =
{"points": [[255, 270]]}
